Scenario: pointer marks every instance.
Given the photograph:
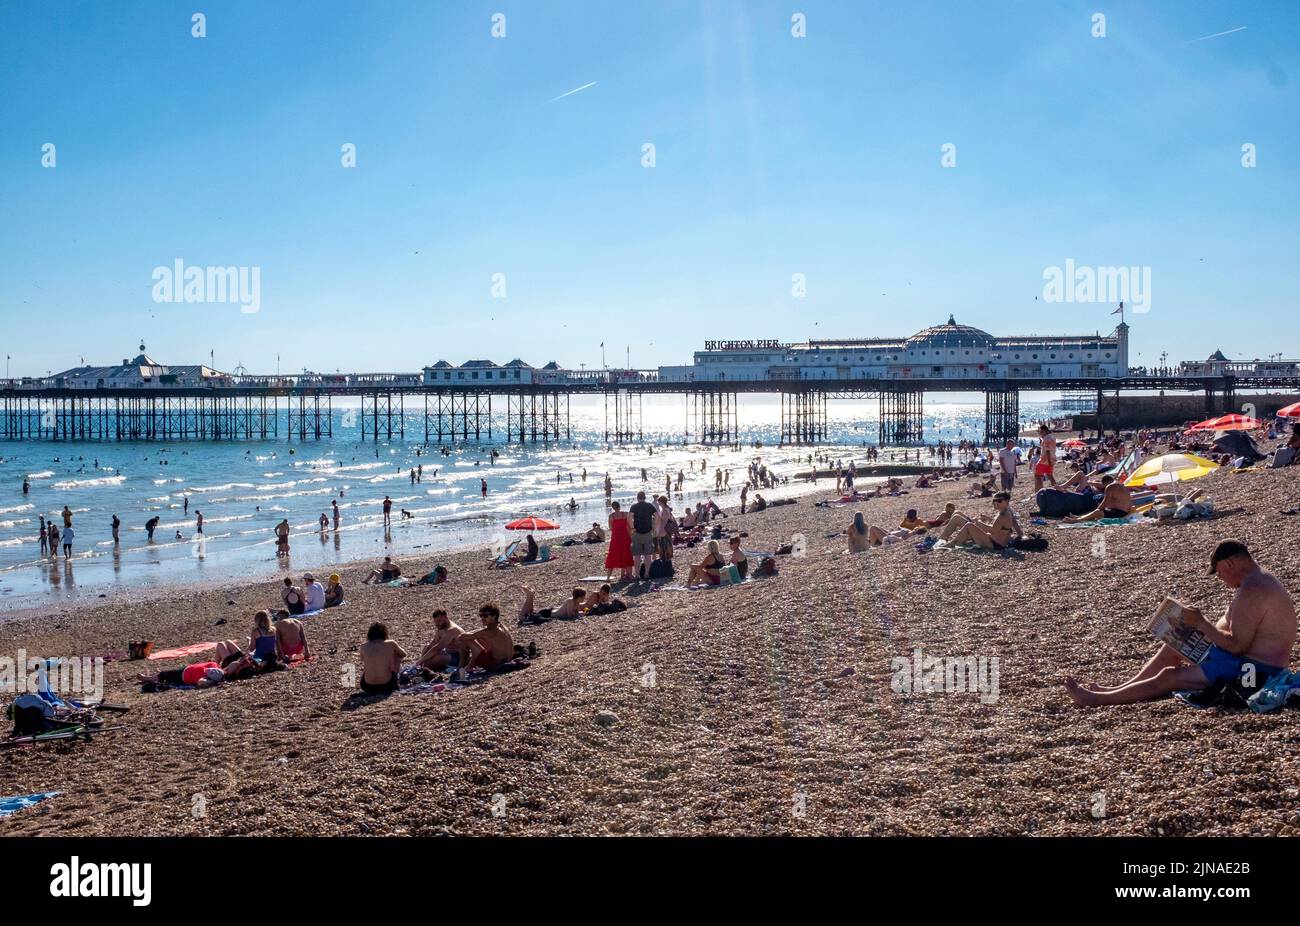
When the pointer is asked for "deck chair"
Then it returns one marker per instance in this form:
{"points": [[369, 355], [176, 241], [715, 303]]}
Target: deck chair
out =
{"points": [[504, 558]]}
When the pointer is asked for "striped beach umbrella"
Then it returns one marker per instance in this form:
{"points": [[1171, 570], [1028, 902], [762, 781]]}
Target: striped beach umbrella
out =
{"points": [[1291, 411]]}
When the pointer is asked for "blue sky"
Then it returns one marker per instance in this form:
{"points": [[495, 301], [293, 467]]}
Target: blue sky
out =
{"points": [[775, 155]]}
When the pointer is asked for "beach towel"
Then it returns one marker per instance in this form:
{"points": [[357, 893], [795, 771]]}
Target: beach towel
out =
{"points": [[1108, 522], [180, 652], [9, 805]]}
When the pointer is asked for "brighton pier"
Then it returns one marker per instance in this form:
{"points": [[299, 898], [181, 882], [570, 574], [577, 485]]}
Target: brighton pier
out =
{"points": [[143, 400]]}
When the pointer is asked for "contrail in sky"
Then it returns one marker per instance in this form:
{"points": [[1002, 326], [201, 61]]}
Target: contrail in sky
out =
{"points": [[1217, 34], [584, 87]]}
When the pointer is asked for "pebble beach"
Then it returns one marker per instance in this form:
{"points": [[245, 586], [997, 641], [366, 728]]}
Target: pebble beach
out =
{"points": [[759, 709]]}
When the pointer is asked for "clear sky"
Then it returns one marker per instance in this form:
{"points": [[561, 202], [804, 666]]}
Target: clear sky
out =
{"points": [[774, 155]]}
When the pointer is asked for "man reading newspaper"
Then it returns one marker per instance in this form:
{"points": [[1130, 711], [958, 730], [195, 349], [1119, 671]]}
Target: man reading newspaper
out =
{"points": [[1245, 647]]}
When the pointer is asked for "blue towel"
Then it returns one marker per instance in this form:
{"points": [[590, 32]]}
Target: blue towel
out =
{"points": [[14, 804]]}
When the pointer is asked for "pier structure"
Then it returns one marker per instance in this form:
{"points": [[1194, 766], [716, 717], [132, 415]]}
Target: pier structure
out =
{"points": [[142, 400]]}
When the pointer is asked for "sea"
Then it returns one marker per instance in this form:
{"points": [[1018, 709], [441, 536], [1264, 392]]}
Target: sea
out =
{"points": [[245, 488]]}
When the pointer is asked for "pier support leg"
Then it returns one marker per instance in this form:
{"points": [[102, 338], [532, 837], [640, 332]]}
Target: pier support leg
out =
{"points": [[1001, 414], [900, 418]]}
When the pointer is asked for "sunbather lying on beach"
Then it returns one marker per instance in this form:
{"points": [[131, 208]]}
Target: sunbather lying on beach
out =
{"points": [[572, 606], [204, 674], [991, 535], [1116, 502], [981, 489], [603, 602], [439, 654], [1258, 630], [381, 660], [486, 648]]}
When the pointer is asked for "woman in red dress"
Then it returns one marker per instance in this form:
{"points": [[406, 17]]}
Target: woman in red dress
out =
{"points": [[620, 545]]}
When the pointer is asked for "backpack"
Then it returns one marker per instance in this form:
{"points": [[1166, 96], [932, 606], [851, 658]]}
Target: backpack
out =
{"points": [[661, 569]]}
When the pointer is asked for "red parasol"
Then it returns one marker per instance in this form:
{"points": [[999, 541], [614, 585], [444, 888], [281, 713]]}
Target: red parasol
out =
{"points": [[1291, 411], [532, 524], [1232, 422]]}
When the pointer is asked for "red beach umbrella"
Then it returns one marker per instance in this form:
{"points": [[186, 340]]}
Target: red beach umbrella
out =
{"points": [[1075, 442], [532, 524], [1291, 411], [1232, 422]]}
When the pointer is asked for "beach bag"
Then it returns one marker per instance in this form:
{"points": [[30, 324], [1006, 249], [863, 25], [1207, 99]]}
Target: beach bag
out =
{"points": [[767, 567], [1031, 544], [31, 715], [661, 569]]}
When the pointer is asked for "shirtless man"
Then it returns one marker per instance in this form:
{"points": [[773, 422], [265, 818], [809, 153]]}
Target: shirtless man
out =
{"points": [[291, 639], [944, 517], [1046, 465], [486, 648], [381, 659], [573, 605], [991, 535], [437, 654], [1257, 630], [1116, 502]]}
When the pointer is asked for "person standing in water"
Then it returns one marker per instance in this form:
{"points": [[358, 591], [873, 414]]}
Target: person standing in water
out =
{"points": [[45, 538], [117, 524], [198, 521], [336, 514], [27, 486], [282, 538]]}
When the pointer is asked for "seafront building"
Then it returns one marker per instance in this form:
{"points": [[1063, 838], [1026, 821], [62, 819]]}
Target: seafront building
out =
{"points": [[947, 351]]}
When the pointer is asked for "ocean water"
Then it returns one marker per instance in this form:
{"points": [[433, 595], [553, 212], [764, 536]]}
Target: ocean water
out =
{"points": [[245, 488]]}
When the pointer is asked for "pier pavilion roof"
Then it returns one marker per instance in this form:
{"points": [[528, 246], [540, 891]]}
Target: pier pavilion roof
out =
{"points": [[142, 369], [951, 334]]}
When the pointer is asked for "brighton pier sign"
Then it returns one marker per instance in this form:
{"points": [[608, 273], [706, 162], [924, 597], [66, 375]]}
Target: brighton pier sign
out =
{"points": [[742, 345]]}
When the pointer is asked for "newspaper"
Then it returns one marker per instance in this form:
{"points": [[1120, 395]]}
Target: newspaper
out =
{"points": [[1169, 627]]}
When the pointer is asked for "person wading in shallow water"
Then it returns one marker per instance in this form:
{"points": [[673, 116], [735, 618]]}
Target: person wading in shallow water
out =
{"points": [[282, 538]]}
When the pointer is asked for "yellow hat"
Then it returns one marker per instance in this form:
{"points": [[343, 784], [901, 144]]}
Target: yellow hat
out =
{"points": [[334, 577]]}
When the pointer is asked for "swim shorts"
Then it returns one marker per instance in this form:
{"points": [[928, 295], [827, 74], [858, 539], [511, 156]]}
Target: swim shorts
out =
{"points": [[1114, 513], [1219, 665], [1042, 468]]}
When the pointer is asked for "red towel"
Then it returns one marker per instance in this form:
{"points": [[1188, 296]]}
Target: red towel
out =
{"points": [[181, 652]]}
